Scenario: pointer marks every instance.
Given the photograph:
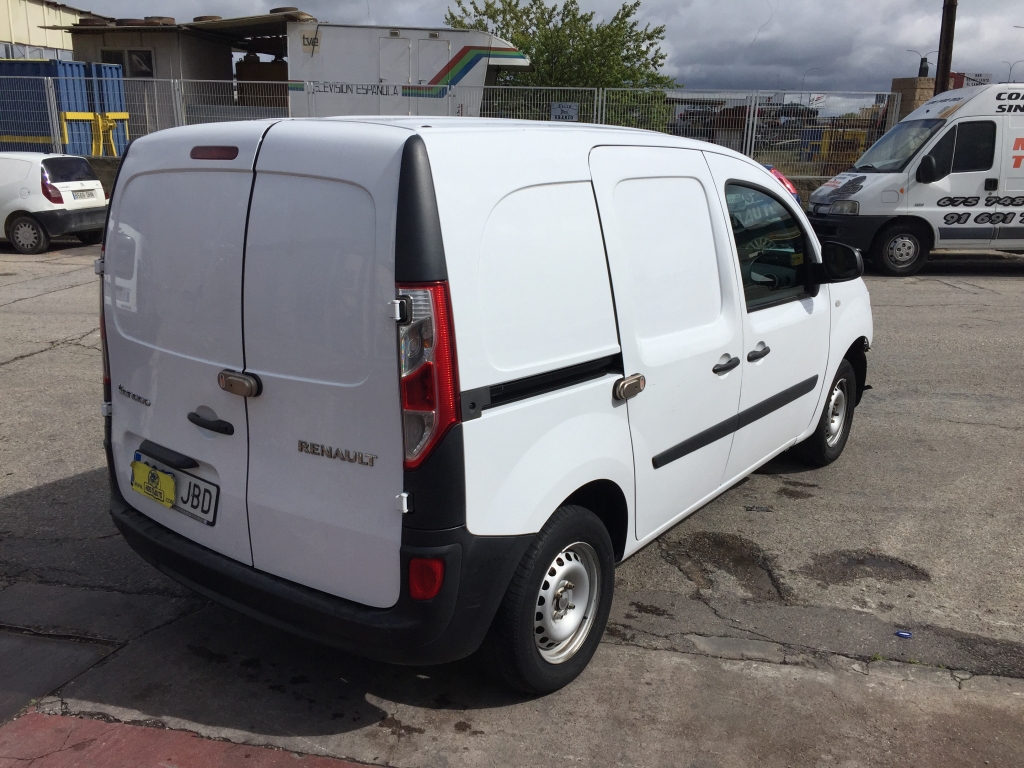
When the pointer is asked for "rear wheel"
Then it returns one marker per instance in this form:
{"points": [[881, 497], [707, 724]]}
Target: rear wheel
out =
{"points": [[829, 438], [28, 236], [90, 238], [556, 607], [900, 250]]}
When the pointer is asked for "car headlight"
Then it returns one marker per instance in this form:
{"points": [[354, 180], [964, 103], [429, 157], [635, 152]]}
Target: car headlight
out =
{"points": [[844, 208]]}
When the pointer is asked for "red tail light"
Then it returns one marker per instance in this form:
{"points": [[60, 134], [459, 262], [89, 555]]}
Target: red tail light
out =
{"points": [[426, 577], [50, 192], [429, 381], [785, 182]]}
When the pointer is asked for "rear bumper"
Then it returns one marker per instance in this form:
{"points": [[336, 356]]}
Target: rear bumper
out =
{"points": [[449, 627], [64, 222], [857, 231]]}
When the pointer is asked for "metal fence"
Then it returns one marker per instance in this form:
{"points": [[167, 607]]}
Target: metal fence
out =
{"points": [[802, 133]]}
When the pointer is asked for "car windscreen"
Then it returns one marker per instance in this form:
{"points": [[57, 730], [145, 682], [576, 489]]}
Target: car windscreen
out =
{"points": [[60, 169], [893, 151]]}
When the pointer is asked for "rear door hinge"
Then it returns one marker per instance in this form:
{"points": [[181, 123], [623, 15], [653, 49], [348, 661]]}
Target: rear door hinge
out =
{"points": [[401, 309], [106, 408], [404, 500], [97, 266]]}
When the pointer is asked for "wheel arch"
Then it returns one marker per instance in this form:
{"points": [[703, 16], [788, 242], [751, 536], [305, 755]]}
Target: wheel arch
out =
{"points": [[857, 356], [16, 215], [922, 225], [606, 500]]}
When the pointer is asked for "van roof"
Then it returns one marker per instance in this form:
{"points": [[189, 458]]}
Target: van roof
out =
{"points": [[973, 101], [587, 133]]}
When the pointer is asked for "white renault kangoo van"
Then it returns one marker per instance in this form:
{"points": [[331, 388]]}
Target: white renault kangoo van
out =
{"points": [[405, 385], [949, 175], [44, 195]]}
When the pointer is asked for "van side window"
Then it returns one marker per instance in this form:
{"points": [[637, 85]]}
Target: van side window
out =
{"points": [[943, 154], [975, 146], [771, 246]]}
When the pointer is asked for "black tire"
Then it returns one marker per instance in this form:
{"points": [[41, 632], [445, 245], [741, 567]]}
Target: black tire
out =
{"points": [[825, 445], [901, 250], [91, 237], [514, 641], [28, 236]]}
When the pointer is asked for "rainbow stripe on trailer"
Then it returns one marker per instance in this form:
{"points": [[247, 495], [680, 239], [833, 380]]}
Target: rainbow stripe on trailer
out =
{"points": [[457, 68]]}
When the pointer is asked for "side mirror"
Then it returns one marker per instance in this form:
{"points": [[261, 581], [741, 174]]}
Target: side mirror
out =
{"points": [[839, 263], [926, 171]]}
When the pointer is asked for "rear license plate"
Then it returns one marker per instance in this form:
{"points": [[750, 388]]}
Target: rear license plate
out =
{"points": [[84, 194], [189, 494]]}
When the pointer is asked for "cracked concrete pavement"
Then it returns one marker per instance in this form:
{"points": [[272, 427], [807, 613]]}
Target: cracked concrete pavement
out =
{"points": [[760, 630]]}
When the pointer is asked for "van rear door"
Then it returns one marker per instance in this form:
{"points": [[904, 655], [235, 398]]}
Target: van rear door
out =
{"points": [[172, 290], [325, 434]]}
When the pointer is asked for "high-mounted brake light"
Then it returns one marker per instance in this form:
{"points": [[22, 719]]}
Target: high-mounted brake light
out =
{"points": [[429, 382], [50, 192], [213, 153], [785, 182]]}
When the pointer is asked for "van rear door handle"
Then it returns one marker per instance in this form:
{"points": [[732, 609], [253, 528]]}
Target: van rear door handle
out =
{"points": [[629, 386], [214, 425], [241, 384], [727, 366], [757, 354]]}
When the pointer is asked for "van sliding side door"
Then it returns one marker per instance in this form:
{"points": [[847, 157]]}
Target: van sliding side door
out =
{"points": [[679, 323]]}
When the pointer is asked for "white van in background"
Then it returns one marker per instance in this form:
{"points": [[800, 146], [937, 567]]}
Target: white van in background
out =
{"points": [[402, 386], [44, 195], [949, 175]]}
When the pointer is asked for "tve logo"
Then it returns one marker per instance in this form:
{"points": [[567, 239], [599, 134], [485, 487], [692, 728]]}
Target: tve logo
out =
{"points": [[310, 43]]}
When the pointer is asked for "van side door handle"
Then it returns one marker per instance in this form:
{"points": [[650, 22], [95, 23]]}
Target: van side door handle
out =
{"points": [[757, 354], [214, 425], [727, 366]]}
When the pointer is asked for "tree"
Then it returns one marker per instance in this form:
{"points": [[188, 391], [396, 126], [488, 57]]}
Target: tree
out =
{"points": [[566, 47]]}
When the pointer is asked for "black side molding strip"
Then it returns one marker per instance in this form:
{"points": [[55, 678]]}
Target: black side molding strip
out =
{"points": [[167, 456], [474, 401], [734, 423]]}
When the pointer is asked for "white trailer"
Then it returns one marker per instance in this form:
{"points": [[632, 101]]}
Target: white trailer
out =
{"points": [[338, 69]]}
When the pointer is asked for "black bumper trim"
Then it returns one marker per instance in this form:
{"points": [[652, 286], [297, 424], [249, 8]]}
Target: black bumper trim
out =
{"points": [[856, 231], [452, 626], [64, 222]]}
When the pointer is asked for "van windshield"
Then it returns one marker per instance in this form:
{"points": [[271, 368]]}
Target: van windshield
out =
{"points": [[892, 152], [60, 169]]}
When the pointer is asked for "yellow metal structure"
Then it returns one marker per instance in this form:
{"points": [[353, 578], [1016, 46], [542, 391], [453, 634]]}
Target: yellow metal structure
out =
{"points": [[103, 126]]}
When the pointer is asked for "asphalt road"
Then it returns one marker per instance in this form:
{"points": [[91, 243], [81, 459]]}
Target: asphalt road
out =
{"points": [[759, 631]]}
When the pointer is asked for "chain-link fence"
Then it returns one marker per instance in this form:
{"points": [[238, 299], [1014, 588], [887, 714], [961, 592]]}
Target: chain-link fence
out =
{"points": [[801, 133]]}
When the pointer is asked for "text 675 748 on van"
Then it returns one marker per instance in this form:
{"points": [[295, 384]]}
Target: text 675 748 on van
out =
{"points": [[416, 389]]}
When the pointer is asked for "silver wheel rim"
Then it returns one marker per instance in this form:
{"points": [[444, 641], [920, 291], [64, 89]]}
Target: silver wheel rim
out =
{"points": [[836, 414], [25, 236], [902, 250], [567, 603]]}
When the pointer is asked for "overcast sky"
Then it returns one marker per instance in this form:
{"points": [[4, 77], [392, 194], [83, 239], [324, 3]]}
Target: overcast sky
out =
{"points": [[852, 44]]}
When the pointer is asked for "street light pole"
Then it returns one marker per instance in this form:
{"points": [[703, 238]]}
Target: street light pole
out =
{"points": [[945, 61], [805, 76]]}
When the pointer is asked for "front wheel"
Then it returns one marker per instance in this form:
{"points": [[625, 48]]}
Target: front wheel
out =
{"points": [[557, 604], [900, 250], [829, 438]]}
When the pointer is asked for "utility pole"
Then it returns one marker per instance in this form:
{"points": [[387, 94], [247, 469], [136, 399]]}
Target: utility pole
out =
{"points": [[945, 46]]}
